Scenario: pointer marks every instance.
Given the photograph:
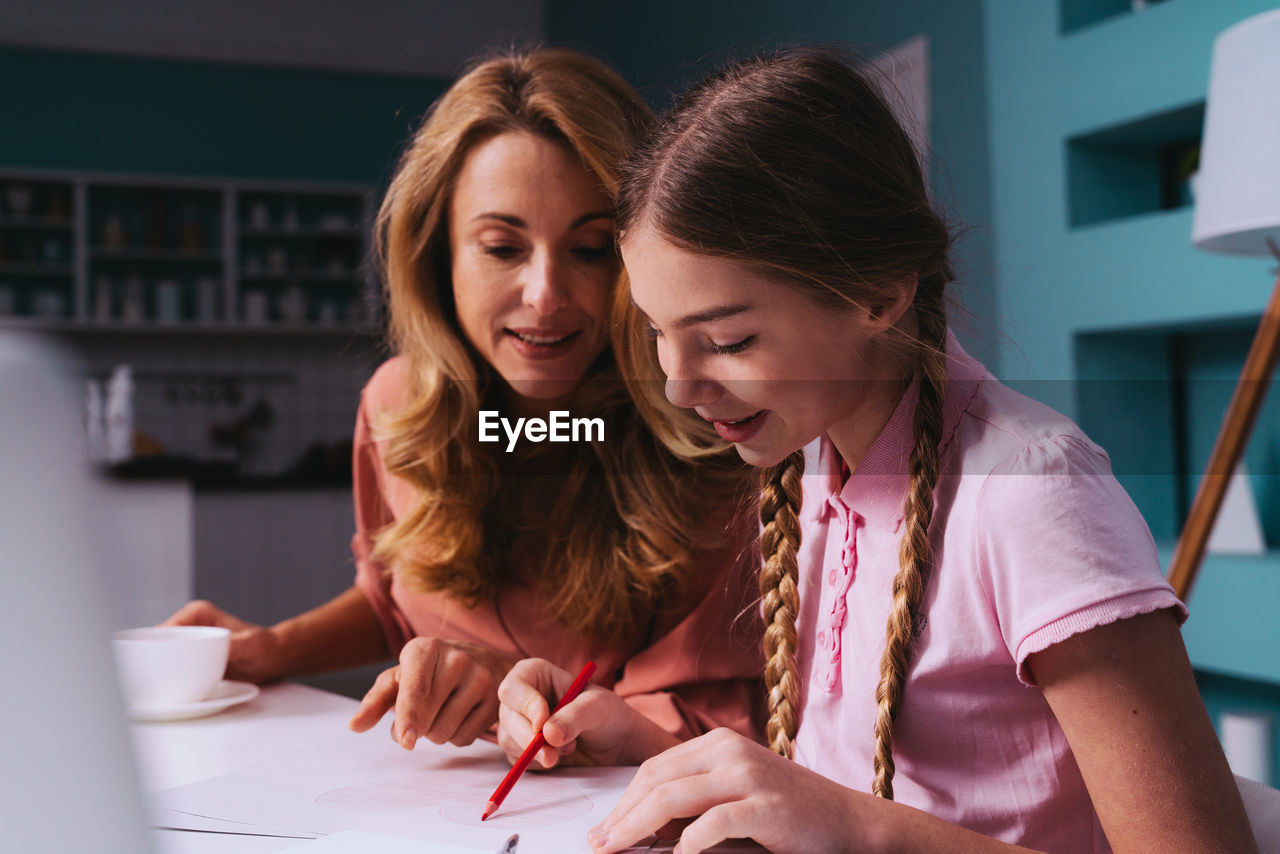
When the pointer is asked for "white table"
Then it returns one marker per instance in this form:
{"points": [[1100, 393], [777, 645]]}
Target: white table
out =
{"points": [[284, 720], [176, 753]]}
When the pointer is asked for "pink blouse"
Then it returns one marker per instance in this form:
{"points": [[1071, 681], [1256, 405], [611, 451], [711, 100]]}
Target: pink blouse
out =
{"points": [[689, 674], [1034, 541]]}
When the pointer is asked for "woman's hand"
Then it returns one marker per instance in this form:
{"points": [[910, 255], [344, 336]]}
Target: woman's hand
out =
{"points": [[597, 728], [736, 789], [255, 654], [442, 690]]}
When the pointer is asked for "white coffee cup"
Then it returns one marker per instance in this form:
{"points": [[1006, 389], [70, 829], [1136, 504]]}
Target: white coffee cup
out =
{"points": [[170, 665]]}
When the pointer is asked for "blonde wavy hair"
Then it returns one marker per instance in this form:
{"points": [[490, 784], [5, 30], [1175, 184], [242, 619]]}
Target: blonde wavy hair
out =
{"points": [[609, 530], [794, 165]]}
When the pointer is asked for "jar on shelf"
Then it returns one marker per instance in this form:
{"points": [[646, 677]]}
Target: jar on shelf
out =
{"points": [[102, 299], [134, 308], [168, 301], [191, 233], [18, 200], [293, 305], [207, 299], [113, 235]]}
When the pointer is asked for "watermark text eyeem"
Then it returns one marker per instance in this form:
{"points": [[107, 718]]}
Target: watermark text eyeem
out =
{"points": [[558, 426]]}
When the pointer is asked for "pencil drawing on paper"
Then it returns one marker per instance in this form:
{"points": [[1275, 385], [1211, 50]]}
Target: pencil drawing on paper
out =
{"points": [[537, 801]]}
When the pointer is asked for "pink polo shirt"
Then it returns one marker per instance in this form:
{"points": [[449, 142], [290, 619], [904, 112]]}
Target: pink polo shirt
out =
{"points": [[1034, 541]]}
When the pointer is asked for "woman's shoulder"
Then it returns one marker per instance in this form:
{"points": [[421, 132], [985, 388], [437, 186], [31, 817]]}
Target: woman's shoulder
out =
{"points": [[388, 388]]}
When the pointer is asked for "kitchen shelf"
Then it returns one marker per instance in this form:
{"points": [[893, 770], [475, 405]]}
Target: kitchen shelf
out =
{"points": [[11, 223], [90, 251], [36, 270], [300, 234], [157, 255]]}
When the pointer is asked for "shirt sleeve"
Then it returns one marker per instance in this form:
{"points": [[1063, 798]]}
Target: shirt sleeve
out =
{"points": [[705, 670], [372, 513], [1062, 549]]}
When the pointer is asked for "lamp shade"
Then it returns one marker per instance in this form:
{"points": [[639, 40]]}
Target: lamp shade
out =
{"points": [[1238, 188]]}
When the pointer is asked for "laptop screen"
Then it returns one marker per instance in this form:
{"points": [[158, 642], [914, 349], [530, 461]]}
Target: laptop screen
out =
{"points": [[67, 778]]}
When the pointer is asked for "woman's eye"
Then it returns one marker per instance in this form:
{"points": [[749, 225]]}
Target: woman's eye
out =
{"points": [[732, 349], [595, 253], [501, 251], [652, 331]]}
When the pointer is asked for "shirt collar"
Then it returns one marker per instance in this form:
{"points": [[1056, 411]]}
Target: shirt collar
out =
{"points": [[877, 490]]}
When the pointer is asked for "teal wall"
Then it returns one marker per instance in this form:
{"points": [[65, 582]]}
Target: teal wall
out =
{"points": [[660, 46], [1044, 88], [89, 112]]}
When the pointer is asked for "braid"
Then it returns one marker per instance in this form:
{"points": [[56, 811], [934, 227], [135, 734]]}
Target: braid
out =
{"points": [[780, 498], [914, 558]]}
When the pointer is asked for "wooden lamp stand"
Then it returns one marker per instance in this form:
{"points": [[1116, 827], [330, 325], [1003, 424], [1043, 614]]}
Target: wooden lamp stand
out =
{"points": [[1237, 424]]}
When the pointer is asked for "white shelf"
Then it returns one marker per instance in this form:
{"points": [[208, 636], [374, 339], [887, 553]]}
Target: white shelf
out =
{"points": [[169, 256], [121, 236], [37, 269]]}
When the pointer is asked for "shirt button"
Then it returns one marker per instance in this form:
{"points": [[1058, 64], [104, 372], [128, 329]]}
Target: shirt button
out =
{"points": [[822, 639], [831, 578]]}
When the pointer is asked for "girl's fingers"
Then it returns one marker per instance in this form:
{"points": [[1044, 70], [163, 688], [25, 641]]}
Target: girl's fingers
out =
{"points": [[514, 735], [729, 820], [513, 732], [527, 685], [377, 701], [670, 800], [684, 760], [595, 709]]}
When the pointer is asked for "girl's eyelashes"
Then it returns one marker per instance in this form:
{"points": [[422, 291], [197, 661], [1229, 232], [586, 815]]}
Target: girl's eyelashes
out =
{"points": [[718, 349], [731, 349]]}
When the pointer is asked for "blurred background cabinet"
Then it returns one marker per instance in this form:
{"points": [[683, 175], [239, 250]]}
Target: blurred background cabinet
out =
{"points": [[128, 252]]}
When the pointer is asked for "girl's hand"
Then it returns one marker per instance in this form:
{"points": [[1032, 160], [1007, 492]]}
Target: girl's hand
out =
{"points": [[737, 789], [597, 728], [442, 690], [255, 654]]}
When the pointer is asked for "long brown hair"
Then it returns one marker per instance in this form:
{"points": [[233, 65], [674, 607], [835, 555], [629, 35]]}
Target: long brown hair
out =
{"points": [[794, 165], [609, 531]]}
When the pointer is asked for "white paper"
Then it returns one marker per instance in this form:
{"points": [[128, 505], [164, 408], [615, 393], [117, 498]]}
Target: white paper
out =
{"points": [[365, 783], [360, 842]]}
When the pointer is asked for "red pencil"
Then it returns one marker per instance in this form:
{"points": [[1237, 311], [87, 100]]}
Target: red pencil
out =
{"points": [[538, 742]]}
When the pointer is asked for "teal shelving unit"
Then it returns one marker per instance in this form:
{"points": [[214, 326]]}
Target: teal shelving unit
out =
{"points": [[1106, 310]]}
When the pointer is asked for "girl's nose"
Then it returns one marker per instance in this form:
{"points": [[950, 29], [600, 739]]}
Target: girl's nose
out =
{"points": [[686, 387]]}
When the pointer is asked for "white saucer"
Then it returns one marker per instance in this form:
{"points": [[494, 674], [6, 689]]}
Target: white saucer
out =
{"points": [[228, 693]]}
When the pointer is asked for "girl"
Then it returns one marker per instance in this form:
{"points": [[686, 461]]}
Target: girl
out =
{"points": [[969, 643], [496, 237]]}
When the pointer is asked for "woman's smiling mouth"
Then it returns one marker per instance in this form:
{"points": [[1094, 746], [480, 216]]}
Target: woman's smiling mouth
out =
{"points": [[541, 343]]}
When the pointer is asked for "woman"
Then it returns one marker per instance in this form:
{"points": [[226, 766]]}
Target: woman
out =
{"points": [[969, 643], [496, 237]]}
